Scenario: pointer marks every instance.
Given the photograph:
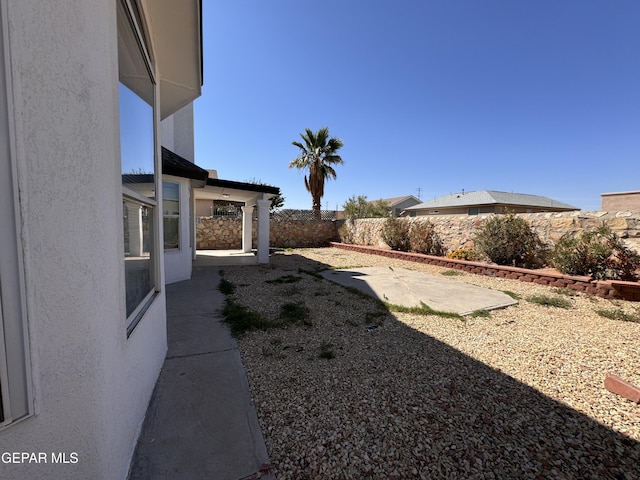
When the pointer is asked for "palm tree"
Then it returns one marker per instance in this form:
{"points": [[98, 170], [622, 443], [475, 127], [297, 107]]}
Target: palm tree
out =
{"points": [[317, 154]]}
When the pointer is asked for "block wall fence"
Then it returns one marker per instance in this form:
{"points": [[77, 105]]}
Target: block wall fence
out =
{"points": [[221, 233], [455, 230]]}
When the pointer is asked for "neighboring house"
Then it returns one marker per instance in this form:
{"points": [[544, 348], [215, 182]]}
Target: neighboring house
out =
{"points": [[89, 91], [620, 201], [398, 204], [487, 201]]}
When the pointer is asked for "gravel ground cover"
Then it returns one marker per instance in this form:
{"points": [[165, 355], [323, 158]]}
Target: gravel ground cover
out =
{"points": [[353, 390]]}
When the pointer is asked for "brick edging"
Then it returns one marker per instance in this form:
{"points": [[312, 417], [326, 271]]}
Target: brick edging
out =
{"points": [[601, 288]]}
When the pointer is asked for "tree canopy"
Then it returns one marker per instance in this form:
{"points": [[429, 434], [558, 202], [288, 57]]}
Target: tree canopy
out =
{"points": [[360, 207], [317, 155]]}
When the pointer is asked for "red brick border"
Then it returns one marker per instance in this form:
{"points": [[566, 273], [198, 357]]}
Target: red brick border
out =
{"points": [[601, 288], [620, 387]]}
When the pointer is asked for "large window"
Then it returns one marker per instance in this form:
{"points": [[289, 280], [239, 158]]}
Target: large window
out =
{"points": [[137, 149], [171, 214]]}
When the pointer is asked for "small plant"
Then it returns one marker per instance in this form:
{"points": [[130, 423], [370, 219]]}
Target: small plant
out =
{"points": [[375, 318], [326, 351], [513, 295], [274, 349], [226, 287], [598, 253], [294, 314], [480, 313], [314, 274], [564, 291], [463, 254], [424, 239], [423, 309], [451, 273], [509, 240], [395, 233], [548, 301], [619, 314], [285, 279], [240, 319]]}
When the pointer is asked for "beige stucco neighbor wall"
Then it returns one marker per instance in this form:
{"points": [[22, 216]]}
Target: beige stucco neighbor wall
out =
{"points": [[612, 202], [457, 230], [221, 233]]}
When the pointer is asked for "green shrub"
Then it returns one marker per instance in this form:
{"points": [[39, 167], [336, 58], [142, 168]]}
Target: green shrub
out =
{"points": [[395, 233], [463, 254], [424, 239], [598, 253], [509, 240]]}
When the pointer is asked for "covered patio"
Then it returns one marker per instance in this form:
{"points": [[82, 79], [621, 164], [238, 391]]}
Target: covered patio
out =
{"points": [[251, 195]]}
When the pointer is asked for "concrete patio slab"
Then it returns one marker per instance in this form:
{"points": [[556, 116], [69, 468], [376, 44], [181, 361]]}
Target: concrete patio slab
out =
{"points": [[409, 288]]}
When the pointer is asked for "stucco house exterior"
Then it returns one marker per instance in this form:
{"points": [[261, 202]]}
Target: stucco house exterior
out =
{"points": [[399, 204], [487, 201], [89, 92], [620, 201]]}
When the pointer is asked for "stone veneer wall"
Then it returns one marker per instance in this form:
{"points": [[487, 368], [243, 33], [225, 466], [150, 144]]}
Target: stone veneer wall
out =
{"points": [[222, 233], [457, 230]]}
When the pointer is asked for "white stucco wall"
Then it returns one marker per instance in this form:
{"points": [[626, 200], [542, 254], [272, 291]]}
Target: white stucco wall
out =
{"points": [[178, 133], [177, 263], [91, 384]]}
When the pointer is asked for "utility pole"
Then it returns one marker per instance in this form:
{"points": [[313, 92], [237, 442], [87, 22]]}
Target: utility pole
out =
{"points": [[419, 193]]}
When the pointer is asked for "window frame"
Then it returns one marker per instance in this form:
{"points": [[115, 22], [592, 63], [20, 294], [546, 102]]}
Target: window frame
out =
{"points": [[135, 22], [177, 216], [16, 395]]}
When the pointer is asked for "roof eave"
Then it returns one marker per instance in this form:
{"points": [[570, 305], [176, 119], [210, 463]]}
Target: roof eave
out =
{"points": [[176, 31]]}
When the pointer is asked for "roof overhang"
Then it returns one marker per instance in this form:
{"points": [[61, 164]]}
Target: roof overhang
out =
{"points": [[174, 164], [176, 32], [227, 190]]}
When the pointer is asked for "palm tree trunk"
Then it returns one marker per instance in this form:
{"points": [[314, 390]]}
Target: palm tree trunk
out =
{"points": [[316, 206]]}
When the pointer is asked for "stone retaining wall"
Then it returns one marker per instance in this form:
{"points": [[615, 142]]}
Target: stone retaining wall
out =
{"points": [[221, 233], [457, 230], [600, 288]]}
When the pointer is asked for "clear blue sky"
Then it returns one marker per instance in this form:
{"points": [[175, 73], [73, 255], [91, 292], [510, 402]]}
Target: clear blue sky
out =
{"points": [[538, 97]]}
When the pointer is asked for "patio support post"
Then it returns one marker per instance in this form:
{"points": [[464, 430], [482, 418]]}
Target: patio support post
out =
{"points": [[136, 242], [247, 221], [263, 230]]}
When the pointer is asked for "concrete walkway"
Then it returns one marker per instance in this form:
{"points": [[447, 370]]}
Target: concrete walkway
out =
{"points": [[201, 423]]}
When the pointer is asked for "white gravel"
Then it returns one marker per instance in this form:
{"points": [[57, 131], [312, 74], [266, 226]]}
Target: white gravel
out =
{"points": [[519, 394]]}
